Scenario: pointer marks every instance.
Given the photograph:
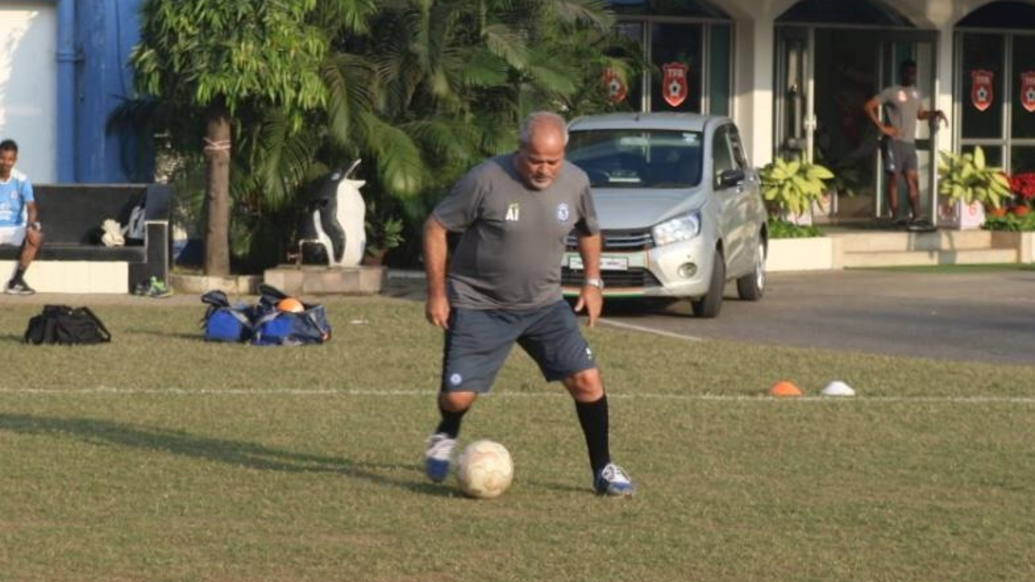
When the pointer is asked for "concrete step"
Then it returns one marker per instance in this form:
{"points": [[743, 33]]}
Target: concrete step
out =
{"points": [[920, 258], [947, 240], [316, 280]]}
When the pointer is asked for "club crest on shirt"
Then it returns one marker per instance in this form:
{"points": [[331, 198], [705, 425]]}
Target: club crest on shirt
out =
{"points": [[562, 212], [902, 96], [513, 212]]}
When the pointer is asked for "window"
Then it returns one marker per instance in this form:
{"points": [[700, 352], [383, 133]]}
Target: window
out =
{"points": [[624, 158], [722, 159], [689, 45], [738, 148]]}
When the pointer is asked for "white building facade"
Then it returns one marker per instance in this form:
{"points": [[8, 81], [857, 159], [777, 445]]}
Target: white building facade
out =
{"points": [[795, 74]]}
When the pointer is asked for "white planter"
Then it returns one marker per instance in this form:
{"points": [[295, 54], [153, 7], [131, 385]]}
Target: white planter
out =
{"points": [[800, 254], [957, 215], [826, 206], [799, 219]]}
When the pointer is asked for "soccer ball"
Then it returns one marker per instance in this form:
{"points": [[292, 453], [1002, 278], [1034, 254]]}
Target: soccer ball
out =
{"points": [[485, 470]]}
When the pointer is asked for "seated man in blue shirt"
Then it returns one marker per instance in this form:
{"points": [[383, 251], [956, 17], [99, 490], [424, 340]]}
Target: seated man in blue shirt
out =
{"points": [[19, 223]]}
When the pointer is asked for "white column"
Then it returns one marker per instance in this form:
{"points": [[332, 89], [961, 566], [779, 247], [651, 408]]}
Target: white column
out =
{"points": [[753, 87], [943, 90]]}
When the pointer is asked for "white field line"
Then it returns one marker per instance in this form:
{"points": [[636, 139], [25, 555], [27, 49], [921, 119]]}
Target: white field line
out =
{"points": [[650, 330], [113, 391]]}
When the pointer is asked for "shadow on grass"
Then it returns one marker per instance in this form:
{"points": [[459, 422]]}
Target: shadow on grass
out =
{"points": [[180, 335], [229, 452], [12, 339]]}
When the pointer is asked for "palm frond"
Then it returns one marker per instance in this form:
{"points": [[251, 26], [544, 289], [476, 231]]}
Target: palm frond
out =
{"points": [[399, 163], [594, 13], [506, 43]]}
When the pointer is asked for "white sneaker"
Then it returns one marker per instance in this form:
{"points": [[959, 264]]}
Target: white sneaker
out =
{"points": [[612, 480], [438, 455]]}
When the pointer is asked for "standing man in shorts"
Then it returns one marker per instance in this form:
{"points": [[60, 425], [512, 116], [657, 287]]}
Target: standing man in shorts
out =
{"points": [[19, 223], [904, 107], [504, 287]]}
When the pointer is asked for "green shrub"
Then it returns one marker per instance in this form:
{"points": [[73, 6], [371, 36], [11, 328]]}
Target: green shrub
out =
{"points": [[782, 229]]}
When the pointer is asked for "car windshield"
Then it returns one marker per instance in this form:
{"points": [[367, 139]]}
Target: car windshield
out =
{"points": [[634, 158]]}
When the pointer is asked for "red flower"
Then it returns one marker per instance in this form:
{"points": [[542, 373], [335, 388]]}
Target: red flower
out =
{"points": [[1021, 210], [1023, 185]]}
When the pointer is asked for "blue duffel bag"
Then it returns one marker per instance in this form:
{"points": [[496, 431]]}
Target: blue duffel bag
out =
{"points": [[224, 323], [301, 324]]}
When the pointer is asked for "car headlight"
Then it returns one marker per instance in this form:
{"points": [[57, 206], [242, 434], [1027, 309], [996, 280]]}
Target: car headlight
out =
{"points": [[678, 229]]}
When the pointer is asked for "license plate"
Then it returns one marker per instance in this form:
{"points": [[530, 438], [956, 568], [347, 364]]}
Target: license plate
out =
{"points": [[607, 263]]}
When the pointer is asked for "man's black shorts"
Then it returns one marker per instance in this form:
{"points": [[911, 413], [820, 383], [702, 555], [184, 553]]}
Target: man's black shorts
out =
{"points": [[900, 157], [478, 342]]}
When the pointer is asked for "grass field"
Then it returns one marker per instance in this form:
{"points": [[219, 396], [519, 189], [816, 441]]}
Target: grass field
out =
{"points": [[159, 457]]}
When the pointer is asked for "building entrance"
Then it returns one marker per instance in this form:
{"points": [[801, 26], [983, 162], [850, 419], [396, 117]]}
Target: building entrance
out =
{"points": [[824, 76]]}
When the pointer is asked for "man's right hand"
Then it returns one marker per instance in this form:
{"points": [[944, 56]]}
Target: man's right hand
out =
{"points": [[889, 130], [437, 311]]}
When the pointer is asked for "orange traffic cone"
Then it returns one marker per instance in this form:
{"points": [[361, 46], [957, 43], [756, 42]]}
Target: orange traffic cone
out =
{"points": [[784, 388]]}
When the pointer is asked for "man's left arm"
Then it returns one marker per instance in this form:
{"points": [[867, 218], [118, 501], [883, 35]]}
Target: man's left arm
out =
{"points": [[591, 296], [923, 115]]}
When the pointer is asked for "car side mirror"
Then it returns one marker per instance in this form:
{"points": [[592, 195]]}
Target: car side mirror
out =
{"points": [[730, 178]]}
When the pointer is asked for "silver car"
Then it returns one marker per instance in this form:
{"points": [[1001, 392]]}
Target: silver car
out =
{"points": [[680, 208]]}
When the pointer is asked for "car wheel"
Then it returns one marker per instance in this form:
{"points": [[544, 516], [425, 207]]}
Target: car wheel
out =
{"points": [[751, 287], [710, 305]]}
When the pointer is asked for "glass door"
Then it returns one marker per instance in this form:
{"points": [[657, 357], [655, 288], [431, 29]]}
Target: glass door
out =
{"points": [[919, 47]]}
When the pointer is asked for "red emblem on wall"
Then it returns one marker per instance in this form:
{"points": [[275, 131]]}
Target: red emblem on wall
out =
{"points": [[616, 89], [1028, 91], [981, 89], [674, 86]]}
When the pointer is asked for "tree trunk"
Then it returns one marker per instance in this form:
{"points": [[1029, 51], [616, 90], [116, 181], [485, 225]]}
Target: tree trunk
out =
{"points": [[217, 191]]}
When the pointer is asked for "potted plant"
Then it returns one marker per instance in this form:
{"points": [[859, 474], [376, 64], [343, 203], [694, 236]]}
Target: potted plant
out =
{"points": [[969, 185], [384, 233], [791, 188]]}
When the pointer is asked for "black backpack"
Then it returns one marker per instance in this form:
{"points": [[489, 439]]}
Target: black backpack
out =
{"points": [[61, 324]]}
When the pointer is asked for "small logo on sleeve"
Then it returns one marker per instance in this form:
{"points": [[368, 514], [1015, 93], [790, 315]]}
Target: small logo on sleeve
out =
{"points": [[513, 212], [562, 212]]}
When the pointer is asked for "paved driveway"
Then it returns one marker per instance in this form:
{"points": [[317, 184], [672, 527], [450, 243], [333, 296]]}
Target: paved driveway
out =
{"points": [[986, 316]]}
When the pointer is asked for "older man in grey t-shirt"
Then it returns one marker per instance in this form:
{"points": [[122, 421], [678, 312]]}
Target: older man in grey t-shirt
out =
{"points": [[904, 106], [515, 213]]}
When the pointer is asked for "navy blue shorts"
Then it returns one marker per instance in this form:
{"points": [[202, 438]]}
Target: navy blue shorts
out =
{"points": [[478, 342]]}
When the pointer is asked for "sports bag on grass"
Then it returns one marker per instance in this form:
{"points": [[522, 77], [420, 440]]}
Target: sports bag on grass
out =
{"points": [[286, 328], [298, 325], [223, 323], [277, 320], [61, 324]]}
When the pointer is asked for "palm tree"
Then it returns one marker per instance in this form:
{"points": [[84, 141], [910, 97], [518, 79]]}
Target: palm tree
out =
{"points": [[224, 57]]}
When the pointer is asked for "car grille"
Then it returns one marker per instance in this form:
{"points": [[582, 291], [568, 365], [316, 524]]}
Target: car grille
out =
{"points": [[621, 240], [613, 279]]}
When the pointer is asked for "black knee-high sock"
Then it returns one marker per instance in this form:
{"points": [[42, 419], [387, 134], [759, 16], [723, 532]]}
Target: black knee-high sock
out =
{"points": [[593, 418], [450, 421]]}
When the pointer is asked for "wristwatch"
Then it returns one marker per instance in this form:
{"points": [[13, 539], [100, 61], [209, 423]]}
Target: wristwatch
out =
{"points": [[36, 226], [598, 283]]}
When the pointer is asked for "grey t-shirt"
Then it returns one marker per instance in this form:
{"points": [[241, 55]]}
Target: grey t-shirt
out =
{"points": [[514, 237], [902, 104]]}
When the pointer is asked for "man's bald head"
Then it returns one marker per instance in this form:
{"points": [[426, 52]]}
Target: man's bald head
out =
{"points": [[540, 154]]}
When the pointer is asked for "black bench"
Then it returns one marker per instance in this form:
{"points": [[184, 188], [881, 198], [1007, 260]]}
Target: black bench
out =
{"points": [[72, 215]]}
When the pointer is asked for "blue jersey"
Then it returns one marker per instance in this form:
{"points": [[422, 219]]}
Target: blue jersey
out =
{"points": [[14, 194]]}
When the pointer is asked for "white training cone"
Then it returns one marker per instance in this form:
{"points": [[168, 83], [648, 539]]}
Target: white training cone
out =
{"points": [[838, 388]]}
